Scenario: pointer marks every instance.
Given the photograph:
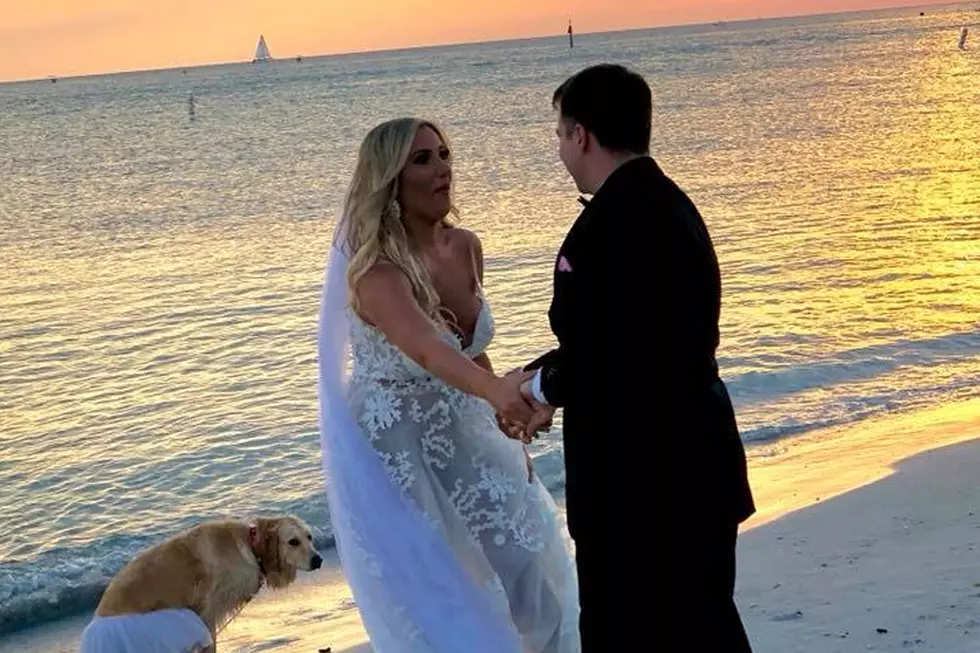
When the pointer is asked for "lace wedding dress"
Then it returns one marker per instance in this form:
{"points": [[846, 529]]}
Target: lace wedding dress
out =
{"points": [[442, 449]]}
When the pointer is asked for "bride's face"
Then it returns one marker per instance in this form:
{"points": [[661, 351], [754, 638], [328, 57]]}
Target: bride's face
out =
{"points": [[426, 180]]}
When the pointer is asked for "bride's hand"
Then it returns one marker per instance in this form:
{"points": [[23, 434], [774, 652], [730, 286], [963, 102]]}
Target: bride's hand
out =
{"points": [[512, 430], [541, 421], [505, 397]]}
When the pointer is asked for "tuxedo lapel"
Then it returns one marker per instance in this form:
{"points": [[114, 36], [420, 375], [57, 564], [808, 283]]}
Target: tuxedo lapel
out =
{"points": [[568, 266]]}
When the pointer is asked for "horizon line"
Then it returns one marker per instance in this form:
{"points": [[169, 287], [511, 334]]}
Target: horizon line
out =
{"points": [[448, 44]]}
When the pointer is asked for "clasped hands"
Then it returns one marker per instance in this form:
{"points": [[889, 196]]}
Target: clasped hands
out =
{"points": [[524, 422]]}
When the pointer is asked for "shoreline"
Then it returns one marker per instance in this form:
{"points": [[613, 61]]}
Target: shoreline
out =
{"points": [[792, 475], [812, 493]]}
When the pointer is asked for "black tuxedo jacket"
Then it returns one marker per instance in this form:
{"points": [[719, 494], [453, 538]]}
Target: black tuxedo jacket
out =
{"points": [[637, 296]]}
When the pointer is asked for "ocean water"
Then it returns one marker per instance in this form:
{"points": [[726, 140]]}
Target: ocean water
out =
{"points": [[161, 272]]}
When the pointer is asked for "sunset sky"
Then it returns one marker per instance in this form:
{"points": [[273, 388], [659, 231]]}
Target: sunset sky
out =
{"points": [[39, 38]]}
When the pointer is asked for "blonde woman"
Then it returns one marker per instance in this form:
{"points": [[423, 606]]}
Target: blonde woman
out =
{"points": [[448, 542]]}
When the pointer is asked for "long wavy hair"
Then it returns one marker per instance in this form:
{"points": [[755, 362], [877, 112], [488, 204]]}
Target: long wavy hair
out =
{"points": [[372, 226]]}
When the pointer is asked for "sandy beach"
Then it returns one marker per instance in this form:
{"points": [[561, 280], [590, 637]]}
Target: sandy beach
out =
{"points": [[866, 539], [891, 565]]}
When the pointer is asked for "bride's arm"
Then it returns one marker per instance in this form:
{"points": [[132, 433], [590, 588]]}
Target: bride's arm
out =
{"points": [[386, 301], [509, 429], [484, 361]]}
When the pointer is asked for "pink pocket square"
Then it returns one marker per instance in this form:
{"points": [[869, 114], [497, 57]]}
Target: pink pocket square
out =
{"points": [[564, 265]]}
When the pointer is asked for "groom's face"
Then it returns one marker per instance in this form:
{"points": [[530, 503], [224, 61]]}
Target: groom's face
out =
{"points": [[571, 148]]}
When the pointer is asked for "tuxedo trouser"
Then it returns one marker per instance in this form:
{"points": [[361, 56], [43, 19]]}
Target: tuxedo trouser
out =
{"points": [[665, 591]]}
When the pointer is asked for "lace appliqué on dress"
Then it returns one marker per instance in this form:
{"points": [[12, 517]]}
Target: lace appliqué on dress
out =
{"points": [[444, 450]]}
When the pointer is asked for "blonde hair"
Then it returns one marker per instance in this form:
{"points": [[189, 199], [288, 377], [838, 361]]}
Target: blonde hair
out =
{"points": [[372, 225]]}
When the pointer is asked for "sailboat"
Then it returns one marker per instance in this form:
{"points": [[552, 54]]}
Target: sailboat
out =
{"points": [[262, 52]]}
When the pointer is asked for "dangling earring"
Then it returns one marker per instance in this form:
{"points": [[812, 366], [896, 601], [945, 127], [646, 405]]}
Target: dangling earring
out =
{"points": [[394, 210]]}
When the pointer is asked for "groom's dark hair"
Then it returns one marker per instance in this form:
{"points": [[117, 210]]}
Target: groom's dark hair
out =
{"points": [[610, 101]]}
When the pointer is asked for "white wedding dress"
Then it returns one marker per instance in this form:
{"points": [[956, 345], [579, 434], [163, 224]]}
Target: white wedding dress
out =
{"points": [[444, 450], [446, 544]]}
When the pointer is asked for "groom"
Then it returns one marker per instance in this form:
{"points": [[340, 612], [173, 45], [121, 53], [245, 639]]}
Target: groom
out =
{"points": [[656, 481]]}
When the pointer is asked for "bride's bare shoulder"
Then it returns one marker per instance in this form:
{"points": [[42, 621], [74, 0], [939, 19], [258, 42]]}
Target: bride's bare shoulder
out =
{"points": [[379, 282], [468, 247]]}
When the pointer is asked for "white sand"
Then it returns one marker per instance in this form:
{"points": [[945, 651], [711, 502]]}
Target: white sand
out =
{"points": [[857, 530], [872, 527], [315, 613], [891, 566], [894, 566]]}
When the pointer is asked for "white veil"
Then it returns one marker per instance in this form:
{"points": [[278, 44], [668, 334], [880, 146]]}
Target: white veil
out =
{"points": [[412, 591]]}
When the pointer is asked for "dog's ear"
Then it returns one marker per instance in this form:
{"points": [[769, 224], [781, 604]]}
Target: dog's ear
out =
{"points": [[263, 537], [255, 541], [275, 574], [269, 536]]}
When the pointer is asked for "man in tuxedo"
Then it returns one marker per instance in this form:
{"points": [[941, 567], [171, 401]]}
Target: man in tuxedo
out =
{"points": [[656, 481]]}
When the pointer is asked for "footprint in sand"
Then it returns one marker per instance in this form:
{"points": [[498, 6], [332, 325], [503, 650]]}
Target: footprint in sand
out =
{"points": [[268, 645], [788, 616]]}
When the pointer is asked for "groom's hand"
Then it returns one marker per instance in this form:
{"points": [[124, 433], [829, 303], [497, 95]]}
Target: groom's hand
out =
{"points": [[541, 421], [543, 413], [526, 390], [541, 418], [512, 430], [508, 402]]}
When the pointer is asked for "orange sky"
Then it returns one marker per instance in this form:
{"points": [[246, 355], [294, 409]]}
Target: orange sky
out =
{"points": [[69, 37]]}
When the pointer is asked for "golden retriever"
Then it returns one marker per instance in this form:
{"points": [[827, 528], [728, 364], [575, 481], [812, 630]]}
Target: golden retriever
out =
{"points": [[212, 570]]}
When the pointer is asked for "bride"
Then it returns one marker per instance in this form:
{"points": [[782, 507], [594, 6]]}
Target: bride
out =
{"points": [[449, 541]]}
